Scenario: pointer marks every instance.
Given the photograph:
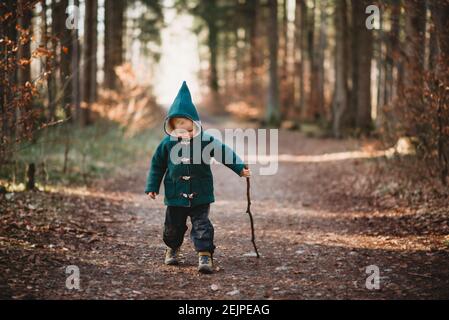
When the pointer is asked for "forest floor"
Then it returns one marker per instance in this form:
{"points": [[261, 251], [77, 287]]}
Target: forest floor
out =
{"points": [[320, 222]]}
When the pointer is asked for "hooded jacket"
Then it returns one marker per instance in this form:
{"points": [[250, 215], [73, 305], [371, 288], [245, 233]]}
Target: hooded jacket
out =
{"points": [[184, 164]]}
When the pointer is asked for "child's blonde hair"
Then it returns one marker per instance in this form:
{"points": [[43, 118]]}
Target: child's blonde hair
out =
{"points": [[174, 121]]}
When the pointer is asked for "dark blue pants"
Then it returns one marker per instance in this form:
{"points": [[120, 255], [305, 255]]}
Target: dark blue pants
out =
{"points": [[202, 233]]}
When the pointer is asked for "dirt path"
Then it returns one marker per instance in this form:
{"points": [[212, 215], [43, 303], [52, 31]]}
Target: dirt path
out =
{"points": [[315, 238]]}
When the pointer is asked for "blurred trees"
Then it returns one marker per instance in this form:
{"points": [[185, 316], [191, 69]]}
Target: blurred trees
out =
{"points": [[354, 67], [50, 69]]}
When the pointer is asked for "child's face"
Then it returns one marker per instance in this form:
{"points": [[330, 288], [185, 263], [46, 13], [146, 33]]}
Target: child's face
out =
{"points": [[183, 127]]}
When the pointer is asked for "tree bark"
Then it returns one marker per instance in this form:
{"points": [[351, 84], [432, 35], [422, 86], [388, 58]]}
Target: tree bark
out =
{"points": [[364, 54], [317, 102], [272, 111], [299, 57], [415, 27], [213, 51], [75, 59], [89, 59], [303, 50], [381, 70], [65, 52], [252, 17], [440, 17], [284, 76], [24, 54], [47, 64], [24, 50], [393, 53], [311, 57], [340, 103], [114, 25], [8, 76]]}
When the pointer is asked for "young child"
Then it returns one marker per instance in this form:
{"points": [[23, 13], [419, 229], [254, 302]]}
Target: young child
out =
{"points": [[188, 184]]}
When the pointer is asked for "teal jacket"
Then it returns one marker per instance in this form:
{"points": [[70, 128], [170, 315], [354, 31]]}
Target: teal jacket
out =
{"points": [[188, 179]]}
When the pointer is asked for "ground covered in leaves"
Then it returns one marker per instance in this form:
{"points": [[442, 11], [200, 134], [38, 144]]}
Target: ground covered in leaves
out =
{"points": [[329, 213]]}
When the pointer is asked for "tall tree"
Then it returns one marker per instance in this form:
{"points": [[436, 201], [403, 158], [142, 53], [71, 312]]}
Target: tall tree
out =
{"points": [[24, 50], [113, 43], [75, 58], [392, 51], [283, 59], [89, 59], [440, 18], [61, 39], [300, 54], [273, 116], [415, 27], [379, 53], [317, 77], [48, 62], [362, 67], [212, 42], [311, 34], [8, 33], [25, 12], [340, 103], [65, 51], [253, 10]]}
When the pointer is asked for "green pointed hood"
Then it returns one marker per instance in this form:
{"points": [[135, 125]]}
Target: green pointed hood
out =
{"points": [[183, 106]]}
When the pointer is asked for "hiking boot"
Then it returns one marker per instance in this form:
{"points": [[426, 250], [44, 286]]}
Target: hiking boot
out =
{"points": [[171, 257], [205, 263]]}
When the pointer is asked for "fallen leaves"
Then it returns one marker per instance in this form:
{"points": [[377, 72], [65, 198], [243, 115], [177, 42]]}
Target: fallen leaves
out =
{"points": [[319, 249]]}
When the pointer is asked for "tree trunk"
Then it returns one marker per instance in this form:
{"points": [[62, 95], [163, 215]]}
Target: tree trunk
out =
{"points": [[381, 70], [113, 43], [8, 77], [89, 59], [272, 111], [299, 57], [47, 63], [24, 54], [393, 54], [303, 50], [440, 17], [213, 52], [252, 17], [52, 62], [75, 68], [364, 54], [25, 16], [415, 27], [318, 79], [31, 174], [66, 48], [284, 80], [311, 55], [357, 22], [340, 103], [284, 58]]}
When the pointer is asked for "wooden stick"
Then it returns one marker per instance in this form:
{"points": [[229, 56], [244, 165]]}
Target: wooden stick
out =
{"points": [[248, 211]]}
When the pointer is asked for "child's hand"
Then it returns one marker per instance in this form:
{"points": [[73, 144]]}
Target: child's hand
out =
{"points": [[246, 173], [152, 195]]}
